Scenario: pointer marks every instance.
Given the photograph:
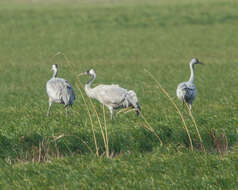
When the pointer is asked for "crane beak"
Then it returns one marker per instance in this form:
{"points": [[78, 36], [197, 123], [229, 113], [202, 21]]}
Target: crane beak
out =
{"points": [[201, 63], [84, 73]]}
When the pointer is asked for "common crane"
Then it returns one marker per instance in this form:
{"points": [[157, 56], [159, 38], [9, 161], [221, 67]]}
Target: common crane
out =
{"points": [[112, 96], [186, 91], [59, 91]]}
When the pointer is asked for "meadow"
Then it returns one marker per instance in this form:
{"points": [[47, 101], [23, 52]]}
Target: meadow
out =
{"points": [[139, 45]]}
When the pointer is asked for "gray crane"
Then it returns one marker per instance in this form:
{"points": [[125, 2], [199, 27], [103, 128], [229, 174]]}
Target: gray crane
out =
{"points": [[59, 91], [112, 96], [186, 91]]}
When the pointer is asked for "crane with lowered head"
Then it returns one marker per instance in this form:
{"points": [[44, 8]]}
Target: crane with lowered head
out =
{"points": [[112, 96]]}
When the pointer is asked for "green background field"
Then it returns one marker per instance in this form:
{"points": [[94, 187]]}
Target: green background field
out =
{"points": [[119, 39]]}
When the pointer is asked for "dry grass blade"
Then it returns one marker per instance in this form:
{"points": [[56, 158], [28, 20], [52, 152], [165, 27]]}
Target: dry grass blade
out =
{"points": [[174, 104], [91, 121], [220, 142], [147, 126], [150, 128], [130, 110], [196, 127], [39, 157], [99, 122], [105, 127], [126, 110], [58, 137], [89, 114], [55, 138], [81, 141], [100, 125], [225, 141], [122, 111]]}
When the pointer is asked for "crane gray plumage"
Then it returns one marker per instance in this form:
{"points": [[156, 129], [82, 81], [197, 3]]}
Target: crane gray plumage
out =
{"points": [[112, 96], [186, 91], [59, 91]]}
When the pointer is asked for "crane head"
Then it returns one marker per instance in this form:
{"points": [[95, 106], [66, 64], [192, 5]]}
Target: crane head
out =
{"points": [[90, 72], [196, 61], [54, 67]]}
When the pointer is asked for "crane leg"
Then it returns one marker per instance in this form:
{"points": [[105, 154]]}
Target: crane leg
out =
{"points": [[111, 112], [48, 112], [66, 110], [183, 108]]}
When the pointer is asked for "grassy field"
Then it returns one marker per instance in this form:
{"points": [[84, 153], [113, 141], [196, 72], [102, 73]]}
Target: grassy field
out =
{"points": [[120, 40]]}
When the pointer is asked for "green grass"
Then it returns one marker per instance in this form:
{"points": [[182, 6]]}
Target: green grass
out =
{"points": [[119, 40]]}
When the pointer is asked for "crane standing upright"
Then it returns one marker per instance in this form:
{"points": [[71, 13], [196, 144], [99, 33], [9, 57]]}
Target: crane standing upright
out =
{"points": [[59, 91], [186, 91]]}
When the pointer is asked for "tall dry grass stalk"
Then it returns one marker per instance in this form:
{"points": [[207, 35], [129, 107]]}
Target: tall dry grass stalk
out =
{"points": [[63, 135], [175, 106], [150, 128], [196, 127], [220, 142], [105, 128], [103, 131], [147, 124], [85, 103], [91, 120], [46, 150]]}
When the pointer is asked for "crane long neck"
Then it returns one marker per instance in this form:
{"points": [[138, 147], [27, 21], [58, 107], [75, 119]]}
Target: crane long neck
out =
{"points": [[88, 88], [55, 72], [191, 79]]}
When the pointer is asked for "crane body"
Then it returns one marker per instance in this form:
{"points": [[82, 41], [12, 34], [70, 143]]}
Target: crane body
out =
{"points": [[59, 91], [112, 96], [186, 91]]}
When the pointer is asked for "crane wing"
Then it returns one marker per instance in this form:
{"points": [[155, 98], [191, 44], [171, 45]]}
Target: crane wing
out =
{"points": [[110, 94], [187, 91], [186, 85], [68, 95], [60, 90]]}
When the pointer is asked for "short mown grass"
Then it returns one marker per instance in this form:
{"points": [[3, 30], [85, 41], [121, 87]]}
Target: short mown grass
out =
{"points": [[122, 41]]}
